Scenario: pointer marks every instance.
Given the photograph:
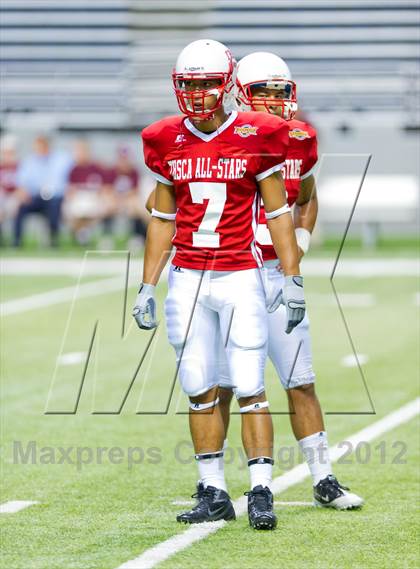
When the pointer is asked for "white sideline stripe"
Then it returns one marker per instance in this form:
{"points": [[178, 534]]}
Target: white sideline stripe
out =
{"points": [[319, 267], [68, 267], [159, 553], [361, 268], [59, 295], [417, 299], [15, 506]]}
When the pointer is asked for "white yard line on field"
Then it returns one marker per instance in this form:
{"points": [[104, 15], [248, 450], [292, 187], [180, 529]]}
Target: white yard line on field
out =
{"points": [[162, 551], [361, 268], [64, 267], [59, 295], [15, 506]]}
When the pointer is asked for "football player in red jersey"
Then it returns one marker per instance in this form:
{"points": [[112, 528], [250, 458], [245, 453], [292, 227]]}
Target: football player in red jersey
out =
{"points": [[211, 168], [264, 84]]}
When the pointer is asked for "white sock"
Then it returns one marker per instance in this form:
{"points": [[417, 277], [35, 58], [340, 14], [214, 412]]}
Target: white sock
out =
{"points": [[315, 451], [261, 471], [211, 468]]}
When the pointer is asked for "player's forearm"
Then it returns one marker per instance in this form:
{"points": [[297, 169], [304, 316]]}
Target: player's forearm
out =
{"points": [[305, 215], [306, 207], [284, 240], [158, 248]]}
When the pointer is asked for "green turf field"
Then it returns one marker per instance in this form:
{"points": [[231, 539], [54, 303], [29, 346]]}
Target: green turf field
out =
{"points": [[100, 514]]}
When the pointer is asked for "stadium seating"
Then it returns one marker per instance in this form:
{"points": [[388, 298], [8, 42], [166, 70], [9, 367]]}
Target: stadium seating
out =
{"points": [[108, 63], [351, 55], [65, 58]]}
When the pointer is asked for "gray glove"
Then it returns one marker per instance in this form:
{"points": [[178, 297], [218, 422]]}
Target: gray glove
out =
{"points": [[294, 301], [144, 310]]}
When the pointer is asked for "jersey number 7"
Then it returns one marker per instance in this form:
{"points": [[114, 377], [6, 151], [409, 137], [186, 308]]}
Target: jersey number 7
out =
{"points": [[215, 192]]}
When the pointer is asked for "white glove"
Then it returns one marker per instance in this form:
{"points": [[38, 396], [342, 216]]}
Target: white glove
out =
{"points": [[294, 301], [144, 310]]}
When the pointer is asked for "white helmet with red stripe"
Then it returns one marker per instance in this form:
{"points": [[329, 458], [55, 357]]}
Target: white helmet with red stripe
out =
{"points": [[207, 60], [265, 69]]}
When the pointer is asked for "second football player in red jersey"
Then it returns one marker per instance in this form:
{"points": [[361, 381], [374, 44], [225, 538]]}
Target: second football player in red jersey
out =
{"points": [[211, 168], [265, 85]]}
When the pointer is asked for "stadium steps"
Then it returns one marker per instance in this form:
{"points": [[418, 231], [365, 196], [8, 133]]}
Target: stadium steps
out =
{"points": [[67, 58], [111, 60], [359, 55]]}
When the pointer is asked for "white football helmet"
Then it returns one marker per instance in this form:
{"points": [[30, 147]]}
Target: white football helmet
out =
{"points": [[202, 59], [265, 69]]}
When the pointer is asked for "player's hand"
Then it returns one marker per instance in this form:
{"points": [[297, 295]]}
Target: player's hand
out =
{"points": [[294, 301], [144, 310]]}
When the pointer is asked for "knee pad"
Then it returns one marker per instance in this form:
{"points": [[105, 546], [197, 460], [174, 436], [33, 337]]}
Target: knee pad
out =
{"points": [[244, 390], [247, 372], [195, 376]]}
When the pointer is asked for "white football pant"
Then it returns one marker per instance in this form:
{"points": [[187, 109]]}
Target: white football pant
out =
{"points": [[290, 354], [217, 320]]}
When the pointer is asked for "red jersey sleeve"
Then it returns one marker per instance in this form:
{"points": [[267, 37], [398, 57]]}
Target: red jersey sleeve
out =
{"points": [[311, 154], [273, 148], [154, 153]]}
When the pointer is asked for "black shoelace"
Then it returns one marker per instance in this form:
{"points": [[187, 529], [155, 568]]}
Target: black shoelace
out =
{"points": [[261, 499], [332, 480], [203, 496]]}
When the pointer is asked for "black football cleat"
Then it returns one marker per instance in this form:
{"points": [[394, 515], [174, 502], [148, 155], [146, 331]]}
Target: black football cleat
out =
{"points": [[329, 493], [213, 504], [260, 508]]}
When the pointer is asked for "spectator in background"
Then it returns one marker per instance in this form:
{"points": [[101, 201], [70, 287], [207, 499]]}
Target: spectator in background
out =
{"points": [[42, 179], [8, 184], [89, 199], [124, 178]]}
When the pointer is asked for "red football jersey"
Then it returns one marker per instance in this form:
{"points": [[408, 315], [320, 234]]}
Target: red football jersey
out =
{"points": [[302, 157], [215, 178]]}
